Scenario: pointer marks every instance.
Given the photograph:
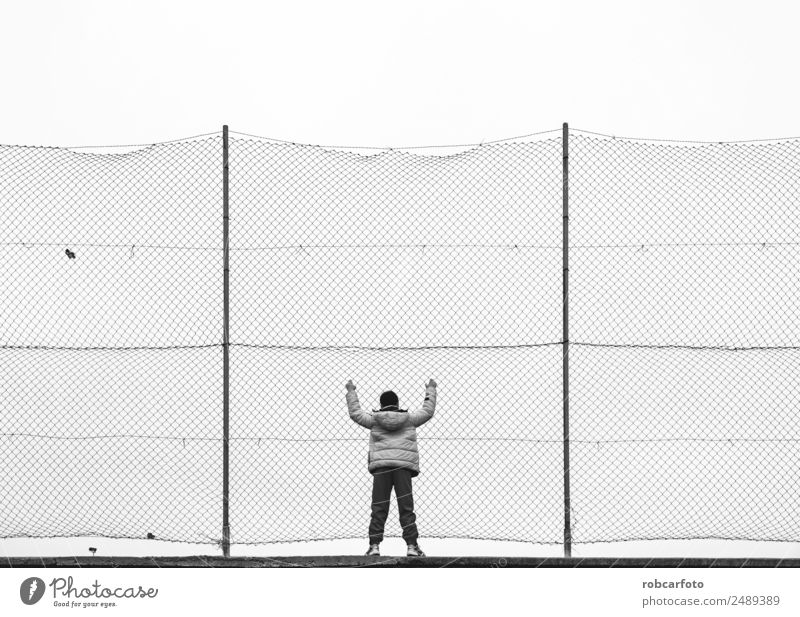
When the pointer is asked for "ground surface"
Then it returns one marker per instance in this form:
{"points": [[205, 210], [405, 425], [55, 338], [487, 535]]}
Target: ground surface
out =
{"points": [[201, 561]]}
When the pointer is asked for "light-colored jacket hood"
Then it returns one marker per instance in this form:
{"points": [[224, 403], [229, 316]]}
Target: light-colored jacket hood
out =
{"points": [[391, 419]]}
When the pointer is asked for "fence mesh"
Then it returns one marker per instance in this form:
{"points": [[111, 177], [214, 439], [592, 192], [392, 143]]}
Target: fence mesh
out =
{"points": [[389, 267], [111, 332], [683, 368]]}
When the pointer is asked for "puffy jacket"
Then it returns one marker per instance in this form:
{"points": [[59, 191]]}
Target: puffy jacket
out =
{"points": [[393, 432]]}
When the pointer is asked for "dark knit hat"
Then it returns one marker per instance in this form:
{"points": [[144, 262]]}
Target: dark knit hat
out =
{"points": [[389, 398]]}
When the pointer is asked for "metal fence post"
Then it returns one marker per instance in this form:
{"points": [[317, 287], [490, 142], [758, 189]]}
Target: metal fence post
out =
{"points": [[565, 338], [226, 528]]}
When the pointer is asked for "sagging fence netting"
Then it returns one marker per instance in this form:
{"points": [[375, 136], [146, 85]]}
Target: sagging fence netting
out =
{"points": [[389, 267]]}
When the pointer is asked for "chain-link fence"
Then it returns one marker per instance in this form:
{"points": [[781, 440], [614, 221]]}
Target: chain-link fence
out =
{"points": [[388, 267], [111, 326], [684, 342]]}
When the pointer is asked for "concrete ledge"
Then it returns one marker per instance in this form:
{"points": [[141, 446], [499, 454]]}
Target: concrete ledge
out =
{"points": [[355, 561]]}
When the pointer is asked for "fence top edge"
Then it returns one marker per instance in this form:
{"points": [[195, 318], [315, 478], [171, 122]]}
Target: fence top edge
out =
{"points": [[284, 141], [398, 148], [683, 141], [110, 146], [572, 131]]}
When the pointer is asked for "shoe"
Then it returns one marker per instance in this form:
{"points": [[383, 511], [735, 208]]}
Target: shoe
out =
{"points": [[374, 550], [414, 551]]}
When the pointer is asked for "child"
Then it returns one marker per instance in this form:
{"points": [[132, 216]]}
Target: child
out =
{"points": [[393, 460]]}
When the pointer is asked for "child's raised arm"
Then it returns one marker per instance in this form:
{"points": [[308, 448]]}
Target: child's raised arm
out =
{"points": [[354, 407], [418, 418]]}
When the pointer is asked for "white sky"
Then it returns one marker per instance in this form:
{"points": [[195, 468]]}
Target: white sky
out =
{"points": [[407, 73], [380, 73]]}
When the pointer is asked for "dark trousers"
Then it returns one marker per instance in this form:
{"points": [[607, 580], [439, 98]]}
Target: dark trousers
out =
{"points": [[382, 483]]}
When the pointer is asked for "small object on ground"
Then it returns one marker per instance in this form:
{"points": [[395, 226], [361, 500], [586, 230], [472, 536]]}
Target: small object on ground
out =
{"points": [[92, 550], [150, 536], [70, 254], [374, 550], [414, 551]]}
